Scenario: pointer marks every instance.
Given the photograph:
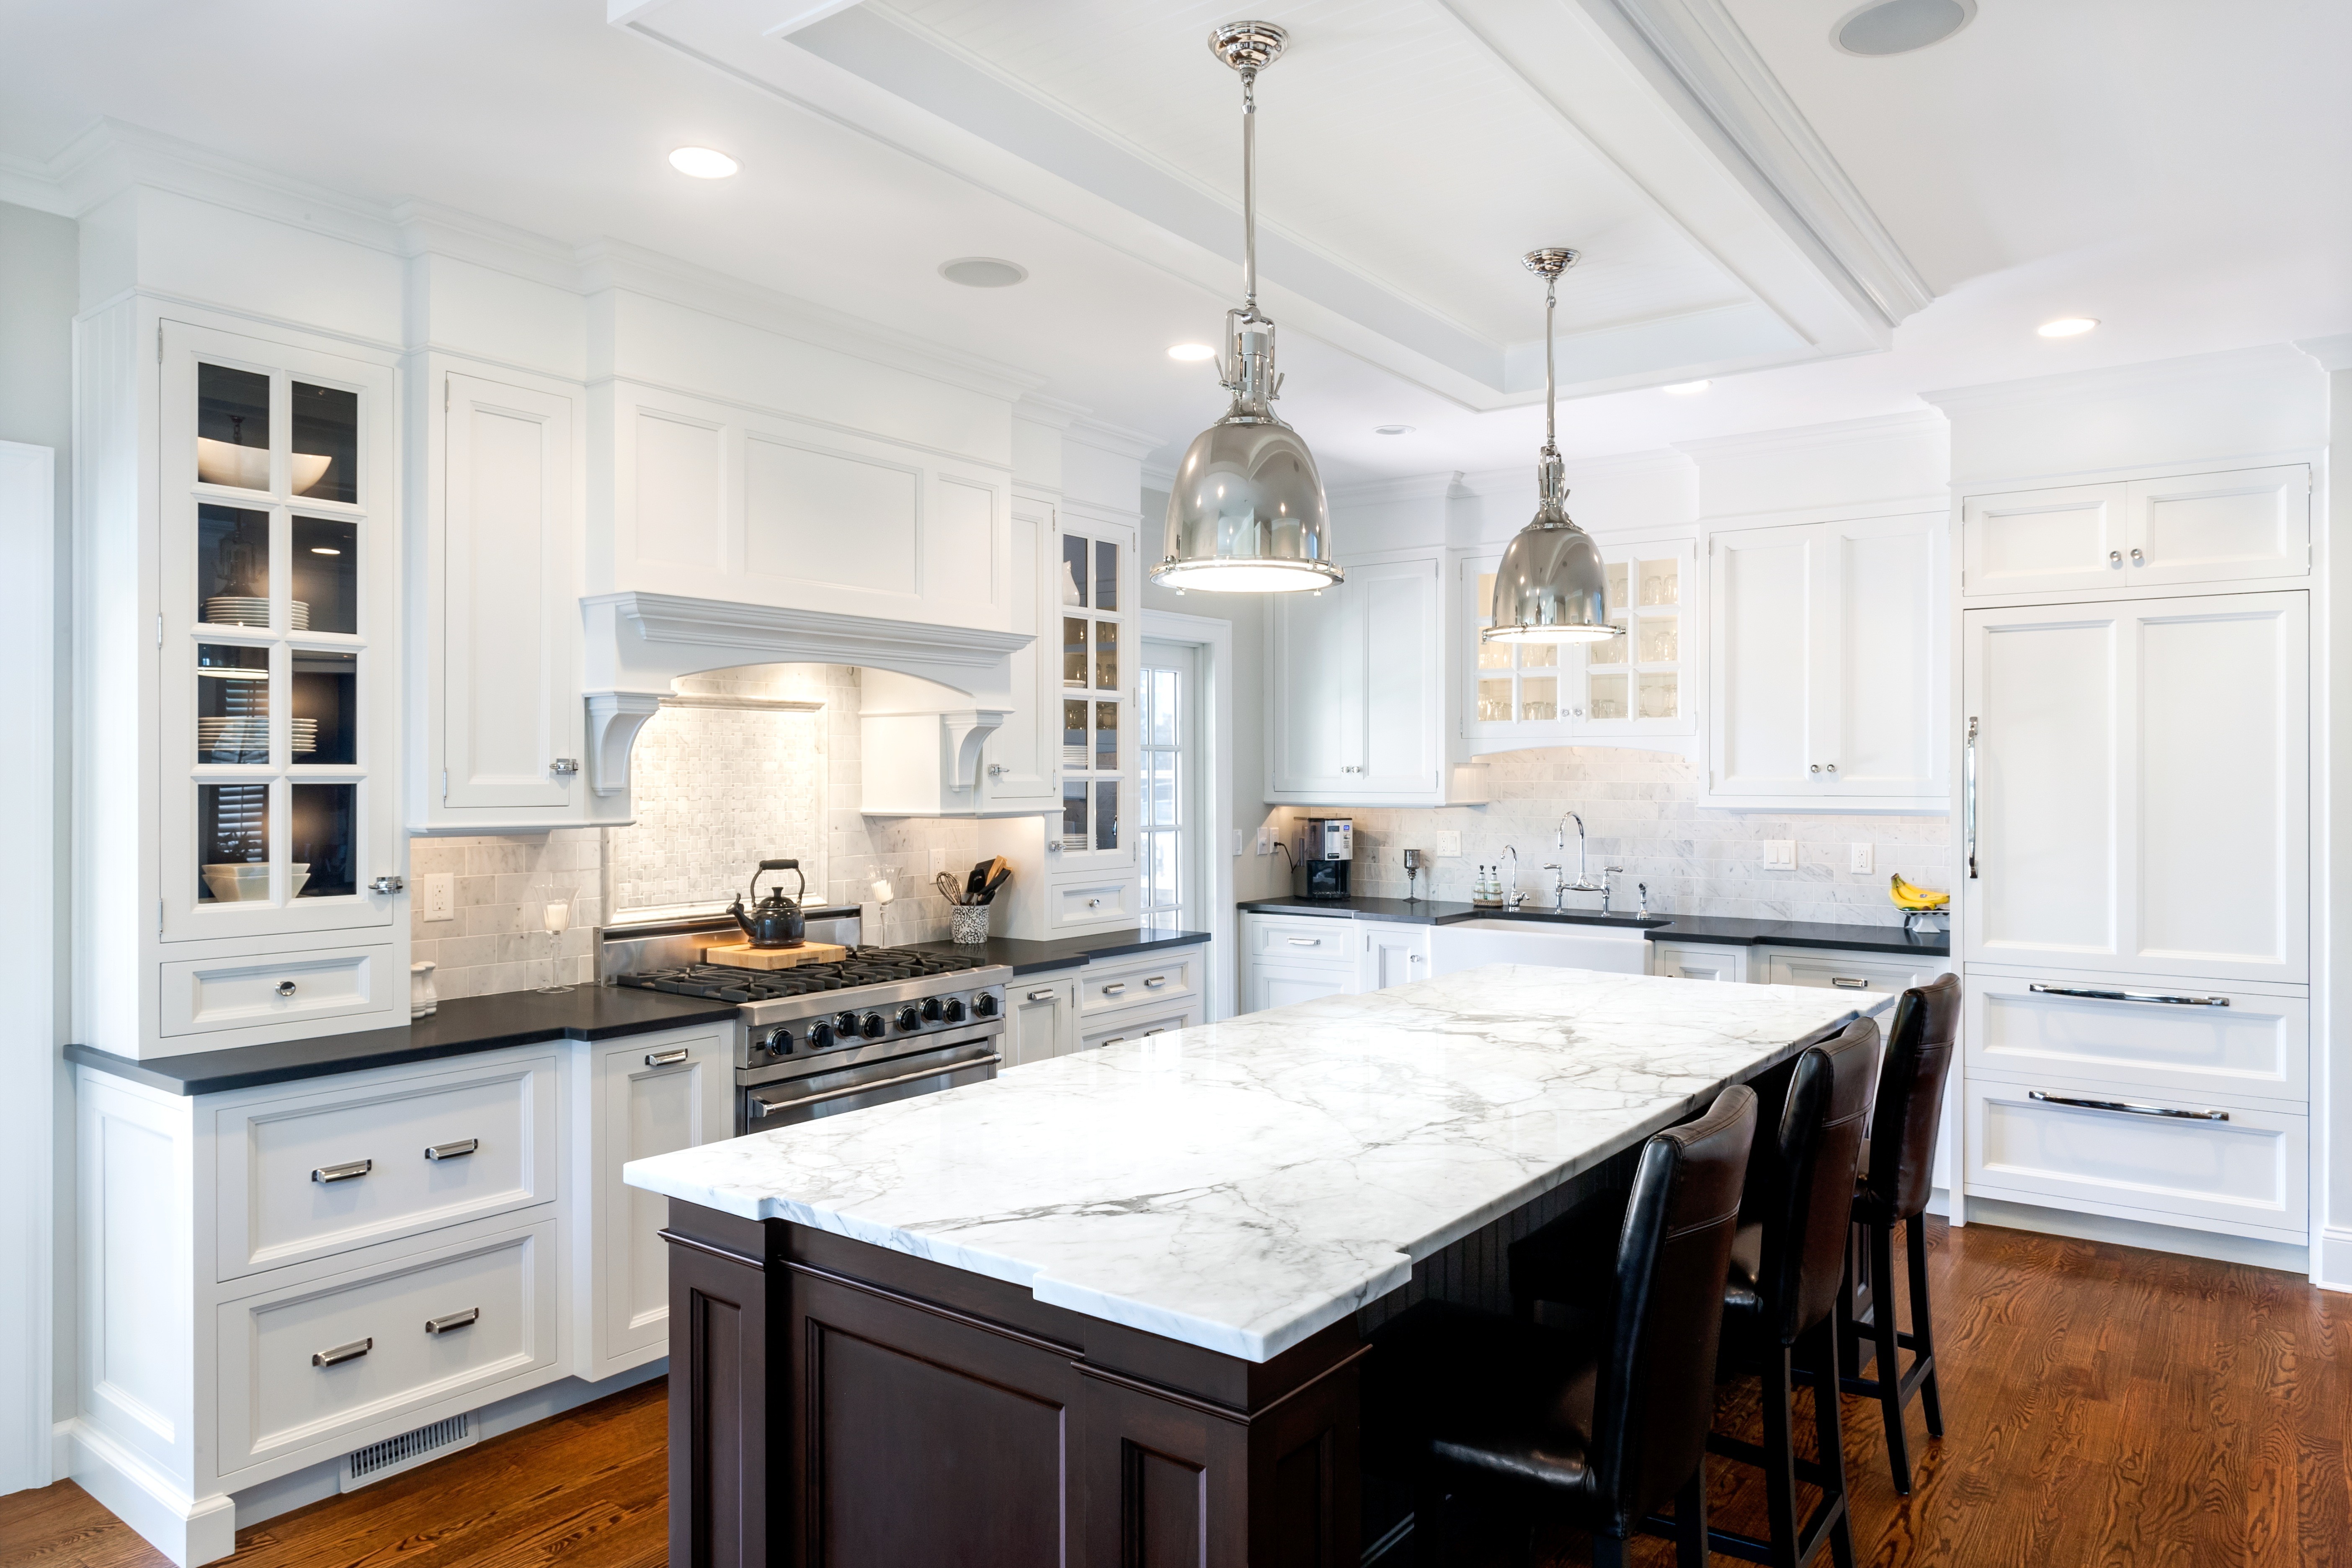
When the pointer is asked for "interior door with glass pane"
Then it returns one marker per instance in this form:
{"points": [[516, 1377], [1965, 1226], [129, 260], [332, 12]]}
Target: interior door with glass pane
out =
{"points": [[277, 719], [1173, 822], [1095, 660]]}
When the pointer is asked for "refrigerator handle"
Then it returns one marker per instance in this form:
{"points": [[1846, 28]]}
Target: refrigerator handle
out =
{"points": [[1969, 794]]}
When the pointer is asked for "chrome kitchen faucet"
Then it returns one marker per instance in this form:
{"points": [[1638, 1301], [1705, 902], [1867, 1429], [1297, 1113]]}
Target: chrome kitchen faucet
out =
{"points": [[1560, 885]]}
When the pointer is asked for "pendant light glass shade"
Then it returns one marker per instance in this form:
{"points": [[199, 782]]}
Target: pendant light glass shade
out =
{"points": [[1247, 514], [1550, 585]]}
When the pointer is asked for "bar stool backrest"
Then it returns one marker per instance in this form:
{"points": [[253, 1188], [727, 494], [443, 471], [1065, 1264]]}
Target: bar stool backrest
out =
{"points": [[1809, 1199], [1910, 1108]]}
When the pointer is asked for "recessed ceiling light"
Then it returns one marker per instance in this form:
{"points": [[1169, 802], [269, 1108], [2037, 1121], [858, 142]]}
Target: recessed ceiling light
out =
{"points": [[1191, 352], [2067, 326], [1392, 430], [983, 272], [1687, 388], [703, 162], [1898, 27]]}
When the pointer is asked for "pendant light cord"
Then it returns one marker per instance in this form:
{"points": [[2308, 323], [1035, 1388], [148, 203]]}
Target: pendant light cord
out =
{"points": [[1249, 193]]}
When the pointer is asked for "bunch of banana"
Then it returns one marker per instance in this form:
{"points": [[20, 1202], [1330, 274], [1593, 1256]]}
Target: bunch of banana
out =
{"points": [[1908, 897]]}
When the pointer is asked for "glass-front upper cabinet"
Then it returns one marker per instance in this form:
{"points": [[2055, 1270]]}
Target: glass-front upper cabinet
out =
{"points": [[279, 678], [1633, 683], [1097, 585]]}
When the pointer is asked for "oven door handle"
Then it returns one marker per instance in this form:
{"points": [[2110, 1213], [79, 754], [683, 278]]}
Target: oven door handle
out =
{"points": [[766, 1108]]}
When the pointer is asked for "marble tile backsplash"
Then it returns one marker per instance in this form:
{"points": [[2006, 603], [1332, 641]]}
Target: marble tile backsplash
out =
{"points": [[496, 940], [1642, 811]]}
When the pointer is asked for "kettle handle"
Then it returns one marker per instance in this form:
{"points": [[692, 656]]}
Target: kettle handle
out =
{"points": [[800, 896]]}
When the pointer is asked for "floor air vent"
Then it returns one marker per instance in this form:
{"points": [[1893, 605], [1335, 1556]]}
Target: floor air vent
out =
{"points": [[407, 1451]]}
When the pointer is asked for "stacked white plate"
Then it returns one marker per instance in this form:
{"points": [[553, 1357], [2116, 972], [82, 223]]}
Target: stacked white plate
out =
{"points": [[251, 610], [251, 733]]}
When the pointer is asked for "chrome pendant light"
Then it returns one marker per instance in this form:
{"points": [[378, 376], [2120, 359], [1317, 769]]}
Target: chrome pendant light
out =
{"points": [[1247, 514], [1550, 586]]}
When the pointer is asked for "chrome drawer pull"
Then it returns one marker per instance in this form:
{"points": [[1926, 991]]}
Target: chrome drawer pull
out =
{"points": [[1847, 982], [1046, 995], [351, 1352], [1115, 989], [666, 1059], [464, 1320], [1115, 1040], [1161, 1030], [2127, 1108], [457, 1151], [2098, 995], [1306, 941], [1155, 982], [344, 1172]]}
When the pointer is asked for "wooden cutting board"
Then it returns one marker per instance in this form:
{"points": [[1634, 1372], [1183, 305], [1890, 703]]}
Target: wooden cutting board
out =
{"points": [[743, 955]]}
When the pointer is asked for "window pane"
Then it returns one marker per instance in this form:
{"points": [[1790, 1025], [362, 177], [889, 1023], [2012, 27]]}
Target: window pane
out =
{"points": [[1661, 639], [322, 817], [232, 704], [326, 573], [1106, 815], [1160, 781], [325, 442], [1107, 736], [1162, 890], [325, 725], [1607, 696], [232, 427], [232, 566], [1106, 575], [1074, 651], [1074, 734], [1659, 694], [1540, 698], [1074, 569], [1162, 729], [1494, 700], [1107, 656], [1074, 813], [232, 842]]}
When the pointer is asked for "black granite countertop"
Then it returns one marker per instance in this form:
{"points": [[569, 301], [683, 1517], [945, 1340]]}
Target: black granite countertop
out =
{"points": [[1713, 929], [1028, 957], [463, 1026]]}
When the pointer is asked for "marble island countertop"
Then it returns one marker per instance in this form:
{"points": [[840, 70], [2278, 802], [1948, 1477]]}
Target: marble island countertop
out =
{"points": [[1240, 1186]]}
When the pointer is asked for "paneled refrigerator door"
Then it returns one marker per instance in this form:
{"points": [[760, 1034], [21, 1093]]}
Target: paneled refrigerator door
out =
{"points": [[2135, 787]]}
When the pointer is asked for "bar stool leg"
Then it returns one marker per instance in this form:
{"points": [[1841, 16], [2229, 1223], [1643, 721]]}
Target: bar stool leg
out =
{"points": [[1780, 1459], [1690, 1521], [1890, 1361], [1829, 1439], [1428, 1522], [1922, 1334]]}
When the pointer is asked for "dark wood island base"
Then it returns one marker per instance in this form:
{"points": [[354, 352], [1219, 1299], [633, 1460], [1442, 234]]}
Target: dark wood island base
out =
{"points": [[836, 1404]]}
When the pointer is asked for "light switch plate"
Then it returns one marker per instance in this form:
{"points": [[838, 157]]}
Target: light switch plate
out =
{"points": [[438, 894], [1449, 842], [1858, 859], [1780, 854]]}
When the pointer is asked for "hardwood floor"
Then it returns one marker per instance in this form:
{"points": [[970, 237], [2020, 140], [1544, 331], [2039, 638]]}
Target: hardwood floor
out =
{"points": [[2103, 1406]]}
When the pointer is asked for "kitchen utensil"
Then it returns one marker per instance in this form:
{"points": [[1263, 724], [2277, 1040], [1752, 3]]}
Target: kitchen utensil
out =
{"points": [[774, 921], [975, 880], [948, 888], [1004, 875], [968, 923]]}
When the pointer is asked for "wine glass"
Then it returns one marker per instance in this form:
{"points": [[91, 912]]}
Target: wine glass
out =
{"points": [[1412, 874], [555, 918]]}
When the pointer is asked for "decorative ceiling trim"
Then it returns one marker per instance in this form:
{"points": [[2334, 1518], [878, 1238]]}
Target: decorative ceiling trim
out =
{"points": [[1696, 53]]}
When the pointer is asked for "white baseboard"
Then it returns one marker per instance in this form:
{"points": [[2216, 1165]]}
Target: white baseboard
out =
{"points": [[188, 1531], [2332, 1260], [2282, 1255]]}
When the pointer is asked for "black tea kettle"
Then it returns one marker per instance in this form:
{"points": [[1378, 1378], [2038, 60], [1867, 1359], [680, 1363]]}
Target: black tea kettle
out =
{"points": [[775, 920]]}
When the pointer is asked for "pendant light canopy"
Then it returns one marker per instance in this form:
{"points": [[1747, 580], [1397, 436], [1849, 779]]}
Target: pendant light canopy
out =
{"points": [[1549, 586], [1247, 514]]}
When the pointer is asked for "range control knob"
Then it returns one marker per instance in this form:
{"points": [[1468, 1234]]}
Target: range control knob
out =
{"points": [[870, 1025], [984, 1005], [846, 1024], [931, 1009], [820, 1036], [910, 1018], [780, 1042], [954, 1011]]}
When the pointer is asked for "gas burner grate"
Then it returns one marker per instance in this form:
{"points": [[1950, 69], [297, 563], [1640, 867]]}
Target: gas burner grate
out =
{"points": [[864, 966]]}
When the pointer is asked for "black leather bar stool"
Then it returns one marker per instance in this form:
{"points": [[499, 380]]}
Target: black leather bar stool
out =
{"points": [[1898, 1164], [1602, 1422]]}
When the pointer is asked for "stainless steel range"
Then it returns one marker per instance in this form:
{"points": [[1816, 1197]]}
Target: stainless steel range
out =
{"points": [[883, 1023]]}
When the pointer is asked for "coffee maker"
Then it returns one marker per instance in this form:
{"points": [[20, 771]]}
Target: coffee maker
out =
{"points": [[1330, 851]]}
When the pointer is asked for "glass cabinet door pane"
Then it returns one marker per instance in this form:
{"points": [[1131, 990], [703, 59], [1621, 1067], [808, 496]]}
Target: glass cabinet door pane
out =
{"points": [[1661, 582], [1074, 651], [1607, 696], [232, 566], [1073, 814], [1614, 598], [326, 573], [1107, 656], [1540, 698], [1539, 655], [326, 460], [1074, 569], [232, 427], [323, 821], [232, 843], [325, 722], [1106, 575], [1494, 700], [232, 704], [1610, 649], [1106, 814], [1659, 694], [1107, 736], [1483, 612], [1661, 639], [1494, 655], [1074, 734]]}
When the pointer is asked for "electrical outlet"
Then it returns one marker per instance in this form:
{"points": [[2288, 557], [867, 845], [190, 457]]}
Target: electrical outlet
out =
{"points": [[438, 894], [1858, 860], [1449, 842], [1780, 854], [1265, 840]]}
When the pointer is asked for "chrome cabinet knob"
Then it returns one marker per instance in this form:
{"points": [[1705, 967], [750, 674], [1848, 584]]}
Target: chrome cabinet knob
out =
{"points": [[564, 767], [386, 884], [2115, 558], [2138, 559], [286, 988]]}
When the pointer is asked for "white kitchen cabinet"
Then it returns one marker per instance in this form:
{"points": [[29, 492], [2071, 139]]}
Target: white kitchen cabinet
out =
{"points": [[1044, 1017], [1019, 758], [1388, 953], [1139, 1024], [2244, 525], [1840, 971], [1699, 961], [2149, 1038], [1164, 978], [1357, 694], [1827, 666], [632, 1098], [2139, 799], [1633, 685], [1278, 984]]}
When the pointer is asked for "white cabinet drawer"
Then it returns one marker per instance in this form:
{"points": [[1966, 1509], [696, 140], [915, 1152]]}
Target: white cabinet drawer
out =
{"points": [[1699, 961], [2242, 1175], [1160, 982], [1308, 939], [1091, 903], [1841, 971], [2134, 1042], [306, 1363], [1138, 1025], [242, 992], [300, 1176], [1280, 985]]}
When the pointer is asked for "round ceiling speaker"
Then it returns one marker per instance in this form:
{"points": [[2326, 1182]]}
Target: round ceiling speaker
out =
{"points": [[1898, 27], [983, 272]]}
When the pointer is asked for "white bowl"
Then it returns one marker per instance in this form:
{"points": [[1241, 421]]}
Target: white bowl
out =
{"points": [[227, 463], [235, 884], [309, 469]]}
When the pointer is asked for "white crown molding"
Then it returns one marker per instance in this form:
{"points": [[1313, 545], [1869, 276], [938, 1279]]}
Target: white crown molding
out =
{"points": [[2262, 362], [2333, 353], [1116, 439], [1162, 479], [1519, 479], [1865, 431], [1410, 486], [1730, 92]]}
